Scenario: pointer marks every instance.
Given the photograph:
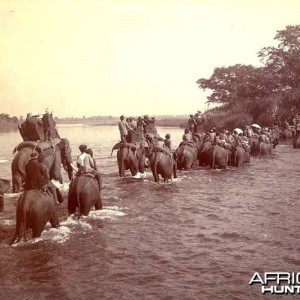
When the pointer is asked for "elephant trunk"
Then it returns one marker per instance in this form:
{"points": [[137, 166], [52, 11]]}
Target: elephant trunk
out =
{"points": [[115, 147]]}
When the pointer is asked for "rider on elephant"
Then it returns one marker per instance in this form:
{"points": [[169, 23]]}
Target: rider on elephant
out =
{"points": [[160, 146], [191, 123], [265, 136], [37, 178], [168, 142], [198, 119], [123, 128], [86, 164], [212, 134], [96, 171], [237, 139], [248, 131], [221, 139], [187, 137], [244, 142], [230, 138]]}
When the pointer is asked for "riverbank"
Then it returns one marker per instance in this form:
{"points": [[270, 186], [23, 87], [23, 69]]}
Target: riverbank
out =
{"points": [[164, 121]]}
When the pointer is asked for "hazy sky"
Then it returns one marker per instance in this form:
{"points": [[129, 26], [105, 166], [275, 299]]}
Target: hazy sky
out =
{"points": [[135, 57]]}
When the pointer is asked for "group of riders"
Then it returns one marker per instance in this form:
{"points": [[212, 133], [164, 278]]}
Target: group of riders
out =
{"points": [[141, 130], [195, 132], [37, 175]]}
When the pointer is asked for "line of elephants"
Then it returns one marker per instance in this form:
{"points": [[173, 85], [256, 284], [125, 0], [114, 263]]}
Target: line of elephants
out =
{"points": [[36, 208], [165, 164]]}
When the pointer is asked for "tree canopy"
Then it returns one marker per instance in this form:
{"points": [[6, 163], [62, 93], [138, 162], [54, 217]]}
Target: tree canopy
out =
{"points": [[259, 94], [8, 123]]}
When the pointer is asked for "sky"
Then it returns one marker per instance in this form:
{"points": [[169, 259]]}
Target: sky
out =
{"points": [[106, 57]]}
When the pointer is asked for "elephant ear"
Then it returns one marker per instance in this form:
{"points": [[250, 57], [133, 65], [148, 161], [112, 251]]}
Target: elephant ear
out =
{"points": [[64, 145]]}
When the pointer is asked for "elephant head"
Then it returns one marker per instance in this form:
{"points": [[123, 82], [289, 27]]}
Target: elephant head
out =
{"points": [[66, 157], [4, 186]]}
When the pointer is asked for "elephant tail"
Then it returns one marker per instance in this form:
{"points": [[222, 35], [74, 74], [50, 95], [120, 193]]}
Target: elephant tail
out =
{"points": [[157, 159], [235, 158], [260, 149], [77, 200], [213, 158]]}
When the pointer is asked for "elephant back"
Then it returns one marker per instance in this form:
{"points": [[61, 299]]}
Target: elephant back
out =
{"points": [[38, 145]]}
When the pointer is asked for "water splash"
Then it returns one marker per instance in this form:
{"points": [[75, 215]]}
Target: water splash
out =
{"points": [[110, 212]]}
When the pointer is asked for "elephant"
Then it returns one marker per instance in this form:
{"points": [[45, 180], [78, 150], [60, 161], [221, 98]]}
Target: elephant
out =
{"points": [[34, 210], [53, 154], [186, 155], [161, 163], [84, 193], [265, 149], [239, 156], [217, 156], [202, 153], [130, 156], [4, 186], [296, 142], [261, 148]]}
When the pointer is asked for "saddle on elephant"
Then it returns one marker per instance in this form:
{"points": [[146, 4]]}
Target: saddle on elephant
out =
{"points": [[93, 174], [38, 129], [163, 150], [43, 148]]}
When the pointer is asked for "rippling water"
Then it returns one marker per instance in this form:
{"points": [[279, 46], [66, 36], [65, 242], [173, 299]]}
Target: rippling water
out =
{"points": [[200, 237]]}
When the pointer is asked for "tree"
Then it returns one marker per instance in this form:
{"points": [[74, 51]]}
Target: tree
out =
{"points": [[240, 89], [263, 92], [283, 62]]}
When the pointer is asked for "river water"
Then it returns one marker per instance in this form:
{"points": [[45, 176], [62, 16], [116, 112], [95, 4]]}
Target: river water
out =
{"points": [[201, 236]]}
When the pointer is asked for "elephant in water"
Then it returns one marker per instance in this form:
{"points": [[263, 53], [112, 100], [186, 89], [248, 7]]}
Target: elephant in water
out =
{"points": [[162, 163], [4, 186], [186, 155], [130, 156], [84, 193], [202, 153], [262, 149], [35, 208], [217, 156], [53, 154], [239, 156], [296, 142]]}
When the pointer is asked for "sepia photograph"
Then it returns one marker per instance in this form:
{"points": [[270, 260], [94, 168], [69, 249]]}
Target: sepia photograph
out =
{"points": [[149, 149]]}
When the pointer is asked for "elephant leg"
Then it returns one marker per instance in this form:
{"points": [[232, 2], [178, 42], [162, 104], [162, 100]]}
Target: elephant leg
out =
{"points": [[17, 183], [36, 231], [121, 166], [174, 170], [142, 165], [98, 204], [154, 175], [71, 204], [54, 221]]}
